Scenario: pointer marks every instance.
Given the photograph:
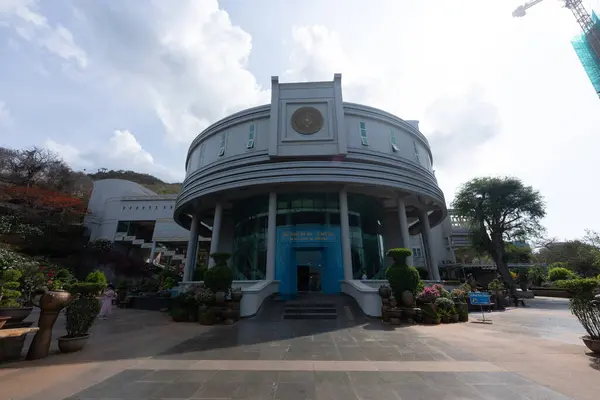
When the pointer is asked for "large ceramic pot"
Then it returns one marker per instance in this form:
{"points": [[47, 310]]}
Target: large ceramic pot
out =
{"points": [[71, 345], [385, 292], [16, 314], [592, 344], [50, 305]]}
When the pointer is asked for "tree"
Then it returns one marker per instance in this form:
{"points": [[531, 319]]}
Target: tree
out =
{"points": [[581, 256], [500, 210]]}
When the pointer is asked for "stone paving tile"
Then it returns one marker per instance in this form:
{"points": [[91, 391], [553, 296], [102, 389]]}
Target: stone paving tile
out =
{"points": [[320, 385]]}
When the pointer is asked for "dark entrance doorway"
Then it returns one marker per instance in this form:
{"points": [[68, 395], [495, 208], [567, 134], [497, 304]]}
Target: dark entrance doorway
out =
{"points": [[308, 269]]}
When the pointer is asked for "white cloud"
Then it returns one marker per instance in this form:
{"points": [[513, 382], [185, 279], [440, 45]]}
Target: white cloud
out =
{"points": [[122, 151], [5, 116], [24, 17], [187, 62]]}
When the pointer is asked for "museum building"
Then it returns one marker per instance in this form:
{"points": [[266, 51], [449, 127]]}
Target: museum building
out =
{"points": [[307, 193]]}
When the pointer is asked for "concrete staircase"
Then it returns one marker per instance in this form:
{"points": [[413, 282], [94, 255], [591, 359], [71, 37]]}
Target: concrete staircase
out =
{"points": [[309, 310]]}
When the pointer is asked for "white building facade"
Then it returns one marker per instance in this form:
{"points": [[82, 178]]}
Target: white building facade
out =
{"points": [[307, 194]]}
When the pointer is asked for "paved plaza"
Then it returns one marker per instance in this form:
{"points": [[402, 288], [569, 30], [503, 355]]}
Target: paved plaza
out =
{"points": [[527, 353]]}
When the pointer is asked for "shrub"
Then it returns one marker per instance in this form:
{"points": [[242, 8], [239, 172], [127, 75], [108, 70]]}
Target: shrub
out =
{"points": [[581, 304], [458, 295], [81, 314], [64, 275], [169, 283], [496, 285], [9, 288], [442, 291], [97, 277], [582, 287], [85, 288], [429, 295], [399, 255], [401, 276], [218, 278], [537, 275], [444, 307], [560, 274]]}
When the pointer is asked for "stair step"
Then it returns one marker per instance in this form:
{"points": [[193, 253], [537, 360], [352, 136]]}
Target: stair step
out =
{"points": [[309, 305], [309, 316], [311, 310]]}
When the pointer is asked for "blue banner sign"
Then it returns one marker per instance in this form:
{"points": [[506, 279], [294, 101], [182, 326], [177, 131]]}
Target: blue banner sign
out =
{"points": [[479, 298]]}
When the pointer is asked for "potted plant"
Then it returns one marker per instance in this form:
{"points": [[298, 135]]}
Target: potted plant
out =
{"points": [[219, 278], [460, 303], [10, 284], [496, 287], [385, 292], [445, 308], [80, 316], [585, 307]]}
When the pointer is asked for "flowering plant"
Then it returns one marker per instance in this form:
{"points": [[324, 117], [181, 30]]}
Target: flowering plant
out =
{"points": [[442, 290], [429, 294]]}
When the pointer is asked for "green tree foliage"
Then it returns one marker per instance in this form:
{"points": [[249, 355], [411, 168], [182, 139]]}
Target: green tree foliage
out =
{"points": [[500, 210], [581, 256]]}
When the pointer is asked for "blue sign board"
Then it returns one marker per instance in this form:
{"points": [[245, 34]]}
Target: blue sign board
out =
{"points": [[479, 298]]}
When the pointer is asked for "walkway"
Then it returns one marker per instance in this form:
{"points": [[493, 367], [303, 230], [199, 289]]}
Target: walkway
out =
{"points": [[142, 355]]}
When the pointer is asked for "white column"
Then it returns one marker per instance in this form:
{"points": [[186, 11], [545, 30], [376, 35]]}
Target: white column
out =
{"points": [[192, 250], [434, 272], [271, 236], [345, 228], [216, 230], [404, 228]]}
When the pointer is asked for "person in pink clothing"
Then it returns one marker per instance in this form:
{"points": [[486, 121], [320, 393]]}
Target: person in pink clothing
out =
{"points": [[107, 299]]}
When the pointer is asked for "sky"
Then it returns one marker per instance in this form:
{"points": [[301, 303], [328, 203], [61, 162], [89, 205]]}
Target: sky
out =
{"points": [[128, 84]]}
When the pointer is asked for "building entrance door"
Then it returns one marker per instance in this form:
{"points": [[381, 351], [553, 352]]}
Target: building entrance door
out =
{"points": [[309, 263]]}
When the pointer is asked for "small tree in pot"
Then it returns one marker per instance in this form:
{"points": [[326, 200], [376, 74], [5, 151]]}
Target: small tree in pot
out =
{"points": [[585, 307], [80, 315]]}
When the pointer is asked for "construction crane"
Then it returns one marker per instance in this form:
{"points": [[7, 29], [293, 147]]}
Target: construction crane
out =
{"points": [[588, 49]]}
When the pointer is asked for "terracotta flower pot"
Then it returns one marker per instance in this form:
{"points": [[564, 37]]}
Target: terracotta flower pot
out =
{"points": [[71, 345], [592, 344]]}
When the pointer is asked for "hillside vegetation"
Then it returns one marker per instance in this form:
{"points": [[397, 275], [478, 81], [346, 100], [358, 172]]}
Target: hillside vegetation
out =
{"points": [[146, 180]]}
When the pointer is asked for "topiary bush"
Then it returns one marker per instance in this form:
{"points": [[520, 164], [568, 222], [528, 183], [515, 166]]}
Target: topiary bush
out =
{"points": [[97, 277], [85, 288], [401, 276], [9, 288], [219, 277], [560, 274]]}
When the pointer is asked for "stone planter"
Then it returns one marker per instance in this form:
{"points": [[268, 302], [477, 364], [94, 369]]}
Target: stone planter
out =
{"points": [[71, 345], [592, 344], [455, 317], [236, 295], [3, 321], [16, 314]]}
